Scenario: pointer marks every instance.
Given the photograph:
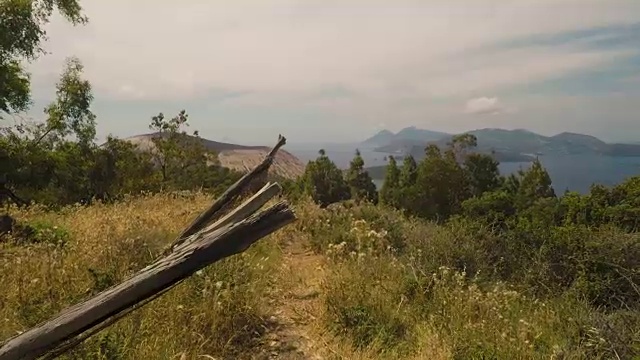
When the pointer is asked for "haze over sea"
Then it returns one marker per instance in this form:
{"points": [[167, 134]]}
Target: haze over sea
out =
{"points": [[573, 172]]}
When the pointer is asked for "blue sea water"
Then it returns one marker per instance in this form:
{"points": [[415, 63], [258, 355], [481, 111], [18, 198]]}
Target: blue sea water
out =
{"points": [[578, 172]]}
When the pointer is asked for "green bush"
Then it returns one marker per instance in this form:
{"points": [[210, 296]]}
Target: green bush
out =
{"points": [[45, 232]]}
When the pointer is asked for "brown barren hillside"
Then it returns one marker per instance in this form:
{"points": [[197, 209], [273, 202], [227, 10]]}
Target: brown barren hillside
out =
{"points": [[238, 157]]}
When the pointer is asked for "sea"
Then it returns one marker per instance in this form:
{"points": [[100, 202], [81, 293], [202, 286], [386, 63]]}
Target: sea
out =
{"points": [[572, 172]]}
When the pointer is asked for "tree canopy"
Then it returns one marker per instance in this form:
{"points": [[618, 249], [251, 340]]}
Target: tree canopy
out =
{"points": [[21, 35]]}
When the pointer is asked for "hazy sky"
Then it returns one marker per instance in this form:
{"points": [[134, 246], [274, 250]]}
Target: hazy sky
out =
{"points": [[340, 70]]}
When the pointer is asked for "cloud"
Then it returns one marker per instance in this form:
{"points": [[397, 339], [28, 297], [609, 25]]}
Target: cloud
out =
{"points": [[166, 49], [633, 79], [130, 92], [483, 105], [401, 63]]}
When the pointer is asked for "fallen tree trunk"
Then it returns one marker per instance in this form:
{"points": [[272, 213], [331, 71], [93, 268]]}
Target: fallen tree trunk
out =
{"points": [[198, 246]]}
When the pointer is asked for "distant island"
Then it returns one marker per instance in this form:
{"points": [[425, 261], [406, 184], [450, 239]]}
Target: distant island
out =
{"points": [[574, 161], [506, 145]]}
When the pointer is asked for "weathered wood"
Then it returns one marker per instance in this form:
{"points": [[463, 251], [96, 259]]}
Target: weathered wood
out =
{"points": [[232, 192], [250, 206], [208, 248]]}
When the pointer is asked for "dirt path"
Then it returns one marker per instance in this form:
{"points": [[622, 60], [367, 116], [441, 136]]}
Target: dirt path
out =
{"points": [[297, 306]]}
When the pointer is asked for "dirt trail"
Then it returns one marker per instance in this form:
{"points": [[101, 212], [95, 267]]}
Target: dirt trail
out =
{"points": [[296, 305]]}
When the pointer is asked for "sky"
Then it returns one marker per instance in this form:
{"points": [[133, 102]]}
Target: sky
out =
{"points": [[339, 71]]}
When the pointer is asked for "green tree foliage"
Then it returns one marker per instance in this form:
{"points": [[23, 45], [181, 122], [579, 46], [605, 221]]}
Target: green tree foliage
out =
{"points": [[619, 206], [390, 191], [408, 196], [183, 160], [21, 33], [625, 204], [324, 182], [460, 145], [120, 168], [535, 183], [484, 174], [360, 183], [57, 162], [70, 114], [442, 185], [409, 172], [43, 163], [492, 207], [436, 188]]}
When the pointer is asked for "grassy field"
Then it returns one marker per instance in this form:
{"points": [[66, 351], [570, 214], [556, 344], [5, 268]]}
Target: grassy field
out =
{"points": [[357, 282]]}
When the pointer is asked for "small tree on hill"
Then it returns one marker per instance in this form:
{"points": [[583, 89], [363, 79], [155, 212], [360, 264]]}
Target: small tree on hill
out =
{"points": [[484, 174], [360, 183], [70, 113], [409, 172], [407, 188], [390, 190], [535, 183], [323, 181], [122, 169], [182, 158], [460, 145], [442, 185]]}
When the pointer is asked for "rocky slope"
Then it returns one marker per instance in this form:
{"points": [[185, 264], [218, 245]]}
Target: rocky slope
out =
{"points": [[238, 157]]}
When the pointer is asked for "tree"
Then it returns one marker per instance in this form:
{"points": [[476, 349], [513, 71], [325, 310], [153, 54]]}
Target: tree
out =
{"points": [[391, 187], [511, 183], [625, 204], [442, 185], [409, 172], [70, 113], [323, 181], [360, 183], [182, 158], [575, 208], [43, 163], [535, 183], [120, 169], [461, 143], [21, 32], [407, 189], [484, 174], [491, 207]]}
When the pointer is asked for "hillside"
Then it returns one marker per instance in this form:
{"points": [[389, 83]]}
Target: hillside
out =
{"points": [[386, 137], [238, 157], [515, 145], [381, 138]]}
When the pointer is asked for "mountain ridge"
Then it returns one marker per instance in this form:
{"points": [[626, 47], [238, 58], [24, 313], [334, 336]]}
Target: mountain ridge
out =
{"points": [[508, 145]]}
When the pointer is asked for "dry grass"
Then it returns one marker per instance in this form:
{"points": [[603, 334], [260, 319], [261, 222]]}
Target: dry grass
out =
{"points": [[219, 312], [387, 295], [347, 283]]}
